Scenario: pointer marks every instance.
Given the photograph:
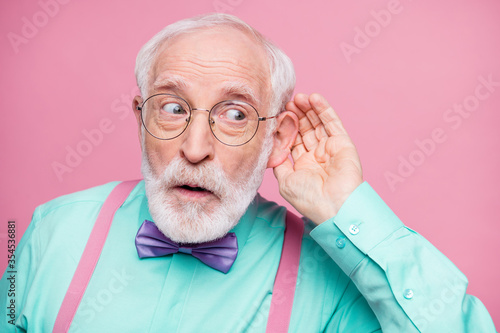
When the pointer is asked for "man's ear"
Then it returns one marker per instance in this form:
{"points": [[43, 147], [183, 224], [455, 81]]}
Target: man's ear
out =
{"points": [[284, 138], [136, 102]]}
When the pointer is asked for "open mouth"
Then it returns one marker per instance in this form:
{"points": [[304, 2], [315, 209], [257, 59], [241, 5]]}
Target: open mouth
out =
{"points": [[193, 191], [193, 188]]}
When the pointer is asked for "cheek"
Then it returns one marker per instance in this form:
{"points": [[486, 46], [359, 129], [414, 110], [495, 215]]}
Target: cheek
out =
{"points": [[239, 162], [159, 154]]}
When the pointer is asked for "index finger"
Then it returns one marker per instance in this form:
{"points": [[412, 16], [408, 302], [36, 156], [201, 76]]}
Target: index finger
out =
{"points": [[304, 123], [329, 118], [307, 130]]}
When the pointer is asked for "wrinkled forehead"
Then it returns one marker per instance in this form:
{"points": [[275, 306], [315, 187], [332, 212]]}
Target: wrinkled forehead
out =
{"points": [[215, 52]]}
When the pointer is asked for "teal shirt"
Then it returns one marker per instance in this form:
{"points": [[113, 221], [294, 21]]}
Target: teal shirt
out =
{"points": [[359, 271]]}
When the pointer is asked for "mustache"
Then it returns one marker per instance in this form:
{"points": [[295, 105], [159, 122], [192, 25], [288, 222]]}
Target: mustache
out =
{"points": [[210, 177]]}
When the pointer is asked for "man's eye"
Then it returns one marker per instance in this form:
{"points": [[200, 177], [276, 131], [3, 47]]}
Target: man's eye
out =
{"points": [[173, 108], [235, 115]]}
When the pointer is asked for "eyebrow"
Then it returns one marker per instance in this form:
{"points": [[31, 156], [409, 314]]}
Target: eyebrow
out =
{"points": [[231, 89], [239, 90], [173, 82]]}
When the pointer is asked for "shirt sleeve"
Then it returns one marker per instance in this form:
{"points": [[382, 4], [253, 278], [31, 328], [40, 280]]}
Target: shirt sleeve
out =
{"points": [[408, 283]]}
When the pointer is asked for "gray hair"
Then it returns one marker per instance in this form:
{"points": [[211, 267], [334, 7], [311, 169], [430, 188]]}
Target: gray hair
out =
{"points": [[280, 66]]}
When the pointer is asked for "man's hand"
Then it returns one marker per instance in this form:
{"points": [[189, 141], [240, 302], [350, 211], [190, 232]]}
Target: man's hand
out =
{"points": [[326, 167]]}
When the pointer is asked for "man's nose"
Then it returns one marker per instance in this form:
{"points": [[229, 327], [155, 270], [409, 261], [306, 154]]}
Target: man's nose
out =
{"points": [[198, 140]]}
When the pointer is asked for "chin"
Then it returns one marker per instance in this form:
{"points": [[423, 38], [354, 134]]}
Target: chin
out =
{"points": [[192, 222]]}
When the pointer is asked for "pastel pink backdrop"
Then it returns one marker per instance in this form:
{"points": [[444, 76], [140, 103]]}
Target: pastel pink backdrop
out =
{"points": [[67, 70]]}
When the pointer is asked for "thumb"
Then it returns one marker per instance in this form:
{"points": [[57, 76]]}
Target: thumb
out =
{"points": [[282, 171]]}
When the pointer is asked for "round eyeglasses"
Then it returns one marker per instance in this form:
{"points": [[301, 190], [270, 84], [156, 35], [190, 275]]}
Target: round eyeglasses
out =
{"points": [[167, 116]]}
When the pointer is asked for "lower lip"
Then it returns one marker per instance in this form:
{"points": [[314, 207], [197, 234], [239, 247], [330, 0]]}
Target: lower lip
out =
{"points": [[193, 194]]}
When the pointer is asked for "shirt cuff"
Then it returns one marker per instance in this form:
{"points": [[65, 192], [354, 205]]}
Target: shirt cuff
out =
{"points": [[363, 222]]}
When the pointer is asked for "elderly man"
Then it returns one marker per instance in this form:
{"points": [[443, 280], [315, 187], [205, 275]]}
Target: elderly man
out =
{"points": [[212, 116]]}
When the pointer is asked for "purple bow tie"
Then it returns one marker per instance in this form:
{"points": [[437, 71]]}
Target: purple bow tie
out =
{"points": [[219, 254]]}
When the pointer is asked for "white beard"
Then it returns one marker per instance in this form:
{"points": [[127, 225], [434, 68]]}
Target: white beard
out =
{"points": [[192, 222]]}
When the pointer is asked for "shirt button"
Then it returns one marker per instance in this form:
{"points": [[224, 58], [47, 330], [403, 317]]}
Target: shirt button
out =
{"points": [[408, 294], [340, 242], [353, 229]]}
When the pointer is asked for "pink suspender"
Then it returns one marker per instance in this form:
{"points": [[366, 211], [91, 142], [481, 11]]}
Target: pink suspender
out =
{"points": [[280, 311], [90, 255], [284, 284]]}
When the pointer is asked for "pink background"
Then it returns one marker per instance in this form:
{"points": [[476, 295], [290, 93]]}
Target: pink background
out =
{"points": [[73, 72]]}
